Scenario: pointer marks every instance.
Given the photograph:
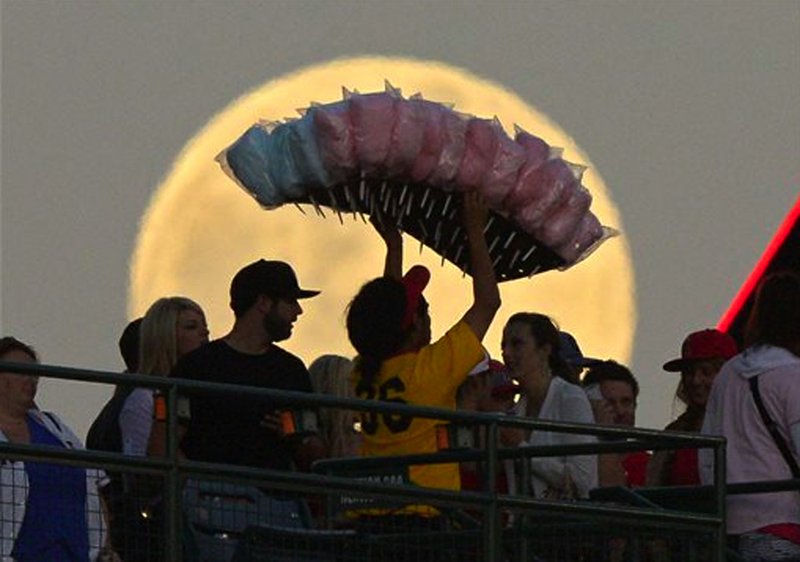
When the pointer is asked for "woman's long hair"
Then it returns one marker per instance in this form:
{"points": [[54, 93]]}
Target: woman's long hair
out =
{"points": [[331, 375], [545, 331], [158, 350], [775, 318], [374, 324]]}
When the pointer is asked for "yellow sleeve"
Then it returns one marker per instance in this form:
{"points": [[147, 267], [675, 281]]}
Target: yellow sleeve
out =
{"points": [[443, 365]]}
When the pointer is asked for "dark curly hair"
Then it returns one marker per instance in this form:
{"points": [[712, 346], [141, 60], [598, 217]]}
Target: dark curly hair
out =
{"points": [[374, 324]]}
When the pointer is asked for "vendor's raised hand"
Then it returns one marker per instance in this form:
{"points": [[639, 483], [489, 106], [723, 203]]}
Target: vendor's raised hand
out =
{"points": [[393, 266], [474, 211], [387, 230]]}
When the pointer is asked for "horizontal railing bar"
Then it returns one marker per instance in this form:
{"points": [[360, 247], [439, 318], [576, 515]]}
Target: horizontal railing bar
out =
{"points": [[585, 507], [473, 455], [315, 483], [763, 486], [82, 457], [687, 440]]}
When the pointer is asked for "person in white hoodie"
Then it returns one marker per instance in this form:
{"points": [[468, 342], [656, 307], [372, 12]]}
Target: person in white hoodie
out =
{"points": [[765, 526]]}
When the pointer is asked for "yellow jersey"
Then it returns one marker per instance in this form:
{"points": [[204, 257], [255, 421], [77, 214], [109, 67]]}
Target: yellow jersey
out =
{"points": [[427, 377]]}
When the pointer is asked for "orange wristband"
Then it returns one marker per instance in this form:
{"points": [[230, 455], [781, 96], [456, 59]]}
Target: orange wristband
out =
{"points": [[160, 408]]}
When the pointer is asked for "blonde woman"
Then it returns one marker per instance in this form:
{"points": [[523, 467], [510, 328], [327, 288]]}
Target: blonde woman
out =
{"points": [[172, 327], [331, 374]]}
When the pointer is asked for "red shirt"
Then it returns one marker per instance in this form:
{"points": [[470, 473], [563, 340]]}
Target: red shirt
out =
{"points": [[683, 471], [635, 465]]}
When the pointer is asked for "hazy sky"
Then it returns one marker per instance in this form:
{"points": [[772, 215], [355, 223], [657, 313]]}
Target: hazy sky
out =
{"points": [[689, 110]]}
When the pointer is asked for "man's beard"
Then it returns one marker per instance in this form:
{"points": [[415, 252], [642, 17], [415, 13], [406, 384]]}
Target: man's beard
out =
{"points": [[277, 328]]}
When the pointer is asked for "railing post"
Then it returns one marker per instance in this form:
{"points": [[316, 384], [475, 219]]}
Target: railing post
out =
{"points": [[524, 489], [720, 481], [491, 527], [172, 507]]}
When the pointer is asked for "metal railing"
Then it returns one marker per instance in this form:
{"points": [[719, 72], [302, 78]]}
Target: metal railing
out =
{"points": [[491, 535]]}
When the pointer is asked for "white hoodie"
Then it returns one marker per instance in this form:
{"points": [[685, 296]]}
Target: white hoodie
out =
{"points": [[752, 454]]}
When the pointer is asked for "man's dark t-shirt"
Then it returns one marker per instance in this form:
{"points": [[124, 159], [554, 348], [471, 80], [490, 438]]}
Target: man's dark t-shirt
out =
{"points": [[227, 428]]}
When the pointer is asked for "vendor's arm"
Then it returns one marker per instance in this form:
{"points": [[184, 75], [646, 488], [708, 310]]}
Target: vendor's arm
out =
{"points": [[393, 268], [485, 294]]}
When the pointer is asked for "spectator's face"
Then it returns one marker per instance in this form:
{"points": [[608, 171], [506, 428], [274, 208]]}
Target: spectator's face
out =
{"points": [[191, 331], [619, 396], [697, 380], [280, 318], [522, 354], [18, 390]]}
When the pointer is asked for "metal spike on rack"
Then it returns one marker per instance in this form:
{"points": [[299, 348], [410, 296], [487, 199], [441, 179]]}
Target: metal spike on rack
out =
{"points": [[431, 216]]}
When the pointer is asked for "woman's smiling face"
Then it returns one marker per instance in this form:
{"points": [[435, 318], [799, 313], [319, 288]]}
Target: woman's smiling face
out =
{"points": [[522, 354], [697, 379]]}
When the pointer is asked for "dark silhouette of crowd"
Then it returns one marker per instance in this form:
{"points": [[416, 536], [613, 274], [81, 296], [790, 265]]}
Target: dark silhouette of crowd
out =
{"points": [[752, 398]]}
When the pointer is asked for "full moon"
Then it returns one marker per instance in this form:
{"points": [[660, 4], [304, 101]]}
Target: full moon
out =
{"points": [[200, 228]]}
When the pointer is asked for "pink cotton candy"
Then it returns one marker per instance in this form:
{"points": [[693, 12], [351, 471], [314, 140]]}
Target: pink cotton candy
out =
{"points": [[588, 233], [502, 176], [481, 147], [407, 138], [432, 141], [536, 154], [533, 145], [454, 133], [543, 192], [373, 117], [560, 226], [334, 132]]}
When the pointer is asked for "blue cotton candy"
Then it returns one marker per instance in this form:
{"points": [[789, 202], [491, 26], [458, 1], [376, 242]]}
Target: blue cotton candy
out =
{"points": [[283, 170], [306, 155], [248, 159]]}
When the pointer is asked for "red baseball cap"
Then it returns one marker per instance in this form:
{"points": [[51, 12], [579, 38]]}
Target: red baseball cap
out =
{"points": [[500, 382], [414, 281], [705, 344], [486, 365]]}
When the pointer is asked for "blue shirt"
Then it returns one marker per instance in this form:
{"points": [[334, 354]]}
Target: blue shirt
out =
{"points": [[54, 528]]}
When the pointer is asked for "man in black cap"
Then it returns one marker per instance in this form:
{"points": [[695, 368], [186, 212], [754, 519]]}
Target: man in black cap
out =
{"points": [[242, 430]]}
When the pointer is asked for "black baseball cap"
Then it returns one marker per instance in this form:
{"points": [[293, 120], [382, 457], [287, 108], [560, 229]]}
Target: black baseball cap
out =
{"points": [[275, 279]]}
